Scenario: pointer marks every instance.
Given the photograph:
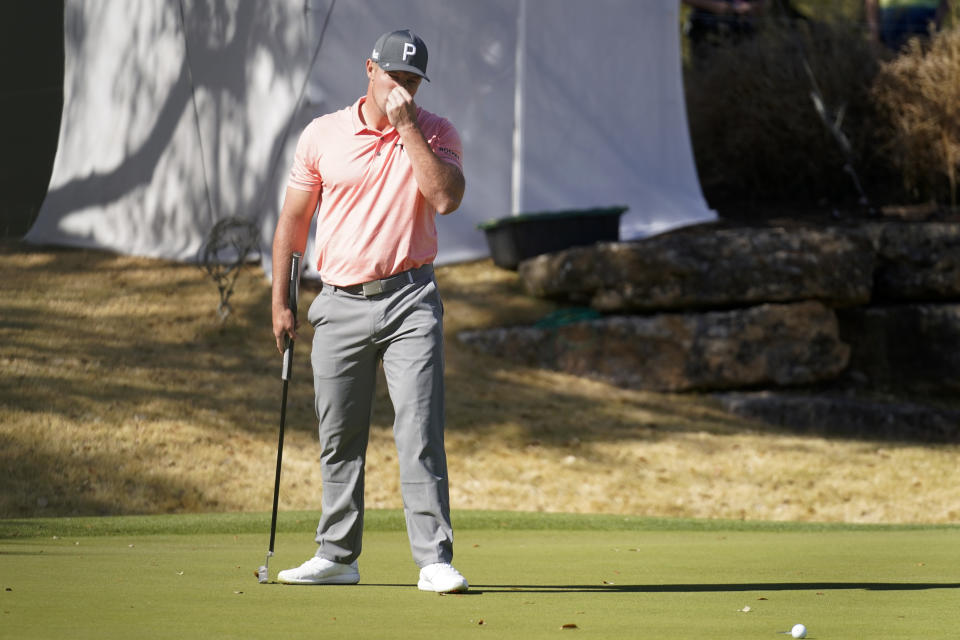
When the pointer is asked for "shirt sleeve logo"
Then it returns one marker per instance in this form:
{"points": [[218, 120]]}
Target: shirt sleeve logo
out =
{"points": [[449, 152]]}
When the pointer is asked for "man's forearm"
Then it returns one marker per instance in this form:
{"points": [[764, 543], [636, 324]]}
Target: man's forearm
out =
{"points": [[441, 183], [290, 236], [283, 248]]}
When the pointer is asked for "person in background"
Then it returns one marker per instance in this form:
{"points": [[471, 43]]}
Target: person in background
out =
{"points": [[713, 22], [892, 23]]}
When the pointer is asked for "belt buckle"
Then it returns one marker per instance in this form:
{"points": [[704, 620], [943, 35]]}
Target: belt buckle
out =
{"points": [[373, 288]]}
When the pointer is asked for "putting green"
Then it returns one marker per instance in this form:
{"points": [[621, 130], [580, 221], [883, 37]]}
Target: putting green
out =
{"points": [[531, 575]]}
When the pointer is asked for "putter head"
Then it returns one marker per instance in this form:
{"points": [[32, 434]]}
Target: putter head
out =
{"points": [[263, 574]]}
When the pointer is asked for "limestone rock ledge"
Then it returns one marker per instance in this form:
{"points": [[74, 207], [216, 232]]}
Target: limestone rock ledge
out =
{"points": [[779, 344], [718, 269], [870, 305]]}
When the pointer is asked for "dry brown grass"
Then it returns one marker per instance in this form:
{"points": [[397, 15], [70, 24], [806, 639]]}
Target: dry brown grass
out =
{"points": [[119, 394], [920, 94]]}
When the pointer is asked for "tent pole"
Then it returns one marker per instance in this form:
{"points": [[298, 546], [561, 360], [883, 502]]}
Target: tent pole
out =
{"points": [[519, 60]]}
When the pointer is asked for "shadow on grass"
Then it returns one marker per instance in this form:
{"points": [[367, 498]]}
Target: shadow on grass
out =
{"points": [[481, 589], [719, 587]]}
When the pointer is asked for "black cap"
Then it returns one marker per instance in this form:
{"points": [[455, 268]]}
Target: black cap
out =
{"points": [[401, 51]]}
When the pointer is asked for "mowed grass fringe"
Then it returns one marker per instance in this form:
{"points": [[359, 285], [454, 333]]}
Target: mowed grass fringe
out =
{"points": [[383, 520]]}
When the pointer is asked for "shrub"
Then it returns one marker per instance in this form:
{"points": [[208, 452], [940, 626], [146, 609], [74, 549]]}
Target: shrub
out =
{"points": [[918, 93], [757, 135]]}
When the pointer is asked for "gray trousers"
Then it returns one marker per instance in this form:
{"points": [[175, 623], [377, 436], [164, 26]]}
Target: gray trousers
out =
{"points": [[352, 335]]}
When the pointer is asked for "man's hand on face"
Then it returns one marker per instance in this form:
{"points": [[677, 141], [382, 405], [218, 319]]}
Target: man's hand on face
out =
{"points": [[401, 109]]}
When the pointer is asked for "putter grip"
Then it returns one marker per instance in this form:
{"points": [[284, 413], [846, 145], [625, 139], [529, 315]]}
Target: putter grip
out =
{"points": [[294, 290], [293, 296]]}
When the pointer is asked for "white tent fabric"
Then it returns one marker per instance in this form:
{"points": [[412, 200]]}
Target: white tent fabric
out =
{"points": [[145, 165], [178, 114]]}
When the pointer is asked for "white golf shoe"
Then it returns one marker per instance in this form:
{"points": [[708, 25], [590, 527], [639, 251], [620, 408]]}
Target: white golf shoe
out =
{"points": [[441, 578], [318, 570]]}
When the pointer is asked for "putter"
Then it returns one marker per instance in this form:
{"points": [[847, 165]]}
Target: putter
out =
{"points": [[263, 573]]}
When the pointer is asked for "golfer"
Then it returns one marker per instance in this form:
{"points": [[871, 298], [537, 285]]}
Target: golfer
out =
{"points": [[379, 171]]}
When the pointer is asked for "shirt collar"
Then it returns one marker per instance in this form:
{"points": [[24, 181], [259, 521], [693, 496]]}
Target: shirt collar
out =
{"points": [[358, 124]]}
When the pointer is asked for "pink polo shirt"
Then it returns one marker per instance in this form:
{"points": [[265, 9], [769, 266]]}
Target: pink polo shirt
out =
{"points": [[373, 221]]}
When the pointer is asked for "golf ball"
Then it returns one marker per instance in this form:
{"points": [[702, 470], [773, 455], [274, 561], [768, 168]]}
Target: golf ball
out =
{"points": [[798, 631]]}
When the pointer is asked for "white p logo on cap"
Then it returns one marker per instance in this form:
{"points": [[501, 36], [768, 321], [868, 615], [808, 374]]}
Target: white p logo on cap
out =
{"points": [[409, 49]]}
